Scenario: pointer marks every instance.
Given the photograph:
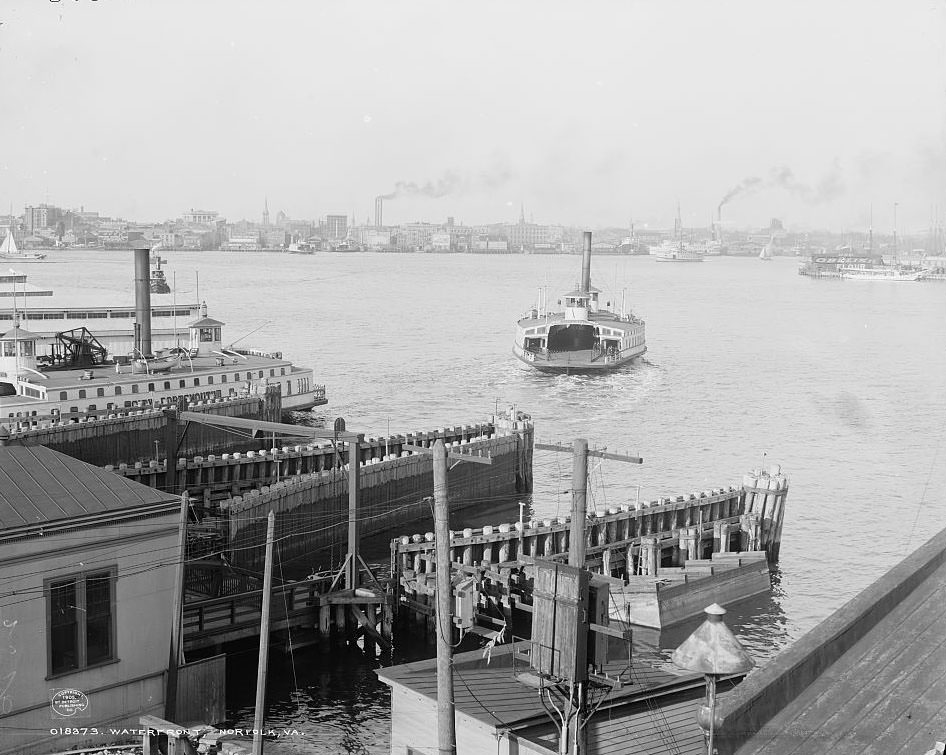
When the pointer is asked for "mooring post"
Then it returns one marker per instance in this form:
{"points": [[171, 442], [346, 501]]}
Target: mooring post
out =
{"points": [[446, 724], [353, 560], [264, 638], [576, 545]]}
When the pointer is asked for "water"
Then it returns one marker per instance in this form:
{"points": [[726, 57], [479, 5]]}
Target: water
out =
{"points": [[841, 382]]}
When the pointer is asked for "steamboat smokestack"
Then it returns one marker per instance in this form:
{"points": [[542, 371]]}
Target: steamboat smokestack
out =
{"points": [[586, 264], [143, 298], [378, 211]]}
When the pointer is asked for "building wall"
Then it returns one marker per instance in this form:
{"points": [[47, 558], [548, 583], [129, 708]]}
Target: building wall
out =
{"points": [[414, 730], [142, 551]]}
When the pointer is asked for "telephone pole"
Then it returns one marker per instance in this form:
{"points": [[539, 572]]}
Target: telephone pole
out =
{"points": [[259, 718], [446, 715], [573, 739], [446, 718]]}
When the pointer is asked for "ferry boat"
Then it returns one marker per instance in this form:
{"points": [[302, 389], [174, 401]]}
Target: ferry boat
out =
{"points": [[677, 252], [10, 251], [107, 358], [585, 337], [881, 273]]}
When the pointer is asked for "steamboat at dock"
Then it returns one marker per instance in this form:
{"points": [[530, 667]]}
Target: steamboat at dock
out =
{"points": [[83, 367], [583, 337]]}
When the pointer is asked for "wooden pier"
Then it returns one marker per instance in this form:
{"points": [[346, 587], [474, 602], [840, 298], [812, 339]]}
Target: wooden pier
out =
{"points": [[631, 544], [302, 612]]}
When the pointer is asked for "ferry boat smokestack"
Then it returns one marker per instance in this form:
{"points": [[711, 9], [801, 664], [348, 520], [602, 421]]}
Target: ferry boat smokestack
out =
{"points": [[586, 264], [143, 298]]}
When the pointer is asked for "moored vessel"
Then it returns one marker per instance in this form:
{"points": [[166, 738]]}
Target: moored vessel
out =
{"points": [[10, 251], [894, 273], [582, 337], [109, 357]]}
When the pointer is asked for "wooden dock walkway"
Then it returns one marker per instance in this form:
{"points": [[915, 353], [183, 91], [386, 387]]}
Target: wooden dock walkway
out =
{"points": [[328, 616]]}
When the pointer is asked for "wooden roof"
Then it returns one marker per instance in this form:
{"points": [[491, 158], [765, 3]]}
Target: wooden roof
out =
{"points": [[871, 678], [886, 695], [39, 486], [654, 713]]}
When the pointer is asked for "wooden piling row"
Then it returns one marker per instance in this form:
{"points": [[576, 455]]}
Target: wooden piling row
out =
{"points": [[621, 542], [218, 477]]}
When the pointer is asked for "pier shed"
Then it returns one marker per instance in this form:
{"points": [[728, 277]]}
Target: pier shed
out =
{"points": [[870, 679], [87, 570], [654, 714]]}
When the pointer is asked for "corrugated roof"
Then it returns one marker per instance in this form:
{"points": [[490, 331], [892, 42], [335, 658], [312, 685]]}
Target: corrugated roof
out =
{"points": [[39, 486]]}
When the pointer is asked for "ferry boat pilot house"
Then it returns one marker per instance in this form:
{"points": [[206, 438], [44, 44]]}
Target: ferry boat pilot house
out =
{"points": [[206, 336], [17, 355]]}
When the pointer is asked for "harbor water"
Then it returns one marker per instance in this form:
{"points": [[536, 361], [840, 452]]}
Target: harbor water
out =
{"points": [[843, 383]]}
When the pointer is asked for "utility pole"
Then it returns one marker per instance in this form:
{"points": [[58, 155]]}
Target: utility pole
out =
{"points": [[576, 541], [175, 658], [446, 716], [264, 639], [573, 735]]}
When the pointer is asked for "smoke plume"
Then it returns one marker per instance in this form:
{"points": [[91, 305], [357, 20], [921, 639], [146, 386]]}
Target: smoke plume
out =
{"points": [[453, 182], [829, 187]]}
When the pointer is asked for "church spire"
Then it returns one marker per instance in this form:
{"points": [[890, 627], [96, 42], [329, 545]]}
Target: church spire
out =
{"points": [[522, 213], [266, 211]]}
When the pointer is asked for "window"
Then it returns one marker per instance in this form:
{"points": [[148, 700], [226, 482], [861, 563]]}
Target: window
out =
{"points": [[223, 378], [81, 621], [207, 335], [63, 395], [150, 387], [272, 373], [196, 382], [118, 390], [167, 385], [99, 391], [181, 383], [236, 376], [210, 380], [134, 388]]}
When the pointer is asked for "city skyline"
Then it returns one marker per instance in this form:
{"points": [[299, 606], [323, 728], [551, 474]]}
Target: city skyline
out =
{"points": [[808, 113]]}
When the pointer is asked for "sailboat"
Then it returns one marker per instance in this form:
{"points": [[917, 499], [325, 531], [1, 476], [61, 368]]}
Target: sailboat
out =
{"points": [[766, 253], [9, 250]]}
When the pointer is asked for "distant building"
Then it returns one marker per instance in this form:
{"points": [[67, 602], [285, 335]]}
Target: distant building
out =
{"points": [[440, 241], [40, 217], [490, 243], [201, 217], [274, 238], [243, 242], [86, 605], [334, 226]]}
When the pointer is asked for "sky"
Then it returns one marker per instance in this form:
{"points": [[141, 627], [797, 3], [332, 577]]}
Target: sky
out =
{"points": [[584, 113]]}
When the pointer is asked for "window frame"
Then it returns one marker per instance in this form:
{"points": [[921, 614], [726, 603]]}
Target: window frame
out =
{"points": [[80, 579]]}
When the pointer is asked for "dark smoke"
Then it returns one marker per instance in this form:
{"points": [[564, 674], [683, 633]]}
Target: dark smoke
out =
{"points": [[452, 182], [829, 187]]}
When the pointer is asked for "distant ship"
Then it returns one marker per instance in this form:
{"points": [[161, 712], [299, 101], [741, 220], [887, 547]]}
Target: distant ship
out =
{"points": [[9, 250], [881, 273], [677, 251], [159, 284], [584, 337]]}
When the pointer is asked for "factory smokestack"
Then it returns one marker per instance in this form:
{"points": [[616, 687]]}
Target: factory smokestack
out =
{"points": [[143, 298], [378, 212], [586, 264]]}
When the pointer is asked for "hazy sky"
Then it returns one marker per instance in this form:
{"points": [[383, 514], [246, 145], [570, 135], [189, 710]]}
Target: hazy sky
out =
{"points": [[589, 113]]}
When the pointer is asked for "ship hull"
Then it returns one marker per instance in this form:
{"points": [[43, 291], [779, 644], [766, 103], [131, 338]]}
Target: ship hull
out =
{"points": [[576, 361]]}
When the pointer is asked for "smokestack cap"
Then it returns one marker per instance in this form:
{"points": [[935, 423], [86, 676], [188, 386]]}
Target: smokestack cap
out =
{"points": [[142, 244]]}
